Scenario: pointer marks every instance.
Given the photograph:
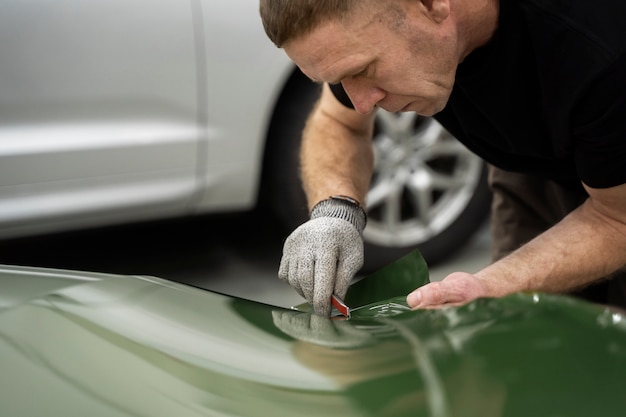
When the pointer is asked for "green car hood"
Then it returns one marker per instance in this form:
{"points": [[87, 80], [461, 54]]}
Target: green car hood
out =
{"points": [[86, 344]]}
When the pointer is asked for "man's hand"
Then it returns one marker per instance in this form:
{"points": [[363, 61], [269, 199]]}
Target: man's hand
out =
{"points": [[320, 258], [455, 289]]}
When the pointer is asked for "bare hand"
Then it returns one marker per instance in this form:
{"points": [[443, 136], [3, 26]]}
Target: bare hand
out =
{"points": [[455, 289]]}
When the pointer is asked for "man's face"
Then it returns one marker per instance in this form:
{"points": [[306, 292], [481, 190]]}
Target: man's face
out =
{"points": [[407, 66]]}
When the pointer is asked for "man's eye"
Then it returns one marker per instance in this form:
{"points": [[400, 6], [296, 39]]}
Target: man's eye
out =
{"points": [[362, 73]]}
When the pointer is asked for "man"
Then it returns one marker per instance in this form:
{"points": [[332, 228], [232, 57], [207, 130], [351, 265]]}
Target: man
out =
{"points": [[535, 87]]}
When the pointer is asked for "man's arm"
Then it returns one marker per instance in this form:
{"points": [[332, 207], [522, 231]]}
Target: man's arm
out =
{"points": [[337, 155], [322, 255], [588, 244]]}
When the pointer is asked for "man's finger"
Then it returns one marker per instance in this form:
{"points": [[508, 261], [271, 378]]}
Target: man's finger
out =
{"points": [[456, 288], [431, 295], [325, 274]]}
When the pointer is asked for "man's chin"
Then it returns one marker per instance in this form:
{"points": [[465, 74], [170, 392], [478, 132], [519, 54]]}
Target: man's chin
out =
{"points": [[422, 109], [408, 108]]}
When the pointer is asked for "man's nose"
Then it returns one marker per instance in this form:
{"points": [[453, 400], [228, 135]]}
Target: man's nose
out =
{"points": [[364, 97]]}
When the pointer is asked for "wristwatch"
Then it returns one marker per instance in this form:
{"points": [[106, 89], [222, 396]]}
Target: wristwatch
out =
{"points": [[342, 207]]}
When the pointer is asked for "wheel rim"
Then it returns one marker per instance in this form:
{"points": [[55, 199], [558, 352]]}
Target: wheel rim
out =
{"points": [[422, 182]]}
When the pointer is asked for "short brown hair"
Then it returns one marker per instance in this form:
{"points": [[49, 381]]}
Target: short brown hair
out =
{"points": [[285, 20]]}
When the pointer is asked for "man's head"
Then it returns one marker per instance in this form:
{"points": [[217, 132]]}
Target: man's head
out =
{"points": [[400, 55]]}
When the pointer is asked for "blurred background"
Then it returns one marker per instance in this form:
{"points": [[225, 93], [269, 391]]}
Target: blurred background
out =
{"points": [[162, 139]]}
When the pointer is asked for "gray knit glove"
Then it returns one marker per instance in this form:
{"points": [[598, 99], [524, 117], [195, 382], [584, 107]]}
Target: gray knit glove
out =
{"points": [[322, 255]]}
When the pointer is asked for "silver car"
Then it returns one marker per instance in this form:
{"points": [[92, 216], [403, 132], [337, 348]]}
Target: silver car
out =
{"points": [[124, 111]]}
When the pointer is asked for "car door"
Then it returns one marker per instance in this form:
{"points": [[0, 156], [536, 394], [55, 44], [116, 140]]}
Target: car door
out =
{"points": [[98, 112]]}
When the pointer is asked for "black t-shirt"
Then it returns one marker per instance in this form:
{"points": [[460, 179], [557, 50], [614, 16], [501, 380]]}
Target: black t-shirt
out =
{"points": [[547, 95]]}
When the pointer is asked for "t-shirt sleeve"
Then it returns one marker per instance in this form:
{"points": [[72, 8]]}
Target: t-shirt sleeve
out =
{"points": [[341, 95]]}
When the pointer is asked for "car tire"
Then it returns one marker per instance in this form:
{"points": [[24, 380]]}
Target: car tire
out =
{"points": [[428, 191]]}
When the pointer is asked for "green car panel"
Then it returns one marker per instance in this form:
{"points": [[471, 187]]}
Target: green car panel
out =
{"points": [[86, 344]]}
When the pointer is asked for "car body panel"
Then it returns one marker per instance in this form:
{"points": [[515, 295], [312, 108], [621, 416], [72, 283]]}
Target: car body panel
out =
{"points": [[75, 344], [246, 74]]}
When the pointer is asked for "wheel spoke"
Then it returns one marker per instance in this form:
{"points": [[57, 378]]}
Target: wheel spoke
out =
{"points": [[391, 211], [421, 198], [448, 182]]}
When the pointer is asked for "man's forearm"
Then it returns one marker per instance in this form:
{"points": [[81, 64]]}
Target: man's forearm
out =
{"points": [[588, 244], [335, 158], [580, 249]]}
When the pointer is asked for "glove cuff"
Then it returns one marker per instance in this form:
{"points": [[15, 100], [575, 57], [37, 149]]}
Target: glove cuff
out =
{"points": [[341, 207]]}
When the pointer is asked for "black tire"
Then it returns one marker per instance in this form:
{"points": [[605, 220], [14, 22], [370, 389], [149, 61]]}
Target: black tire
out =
{"points": [[428, 191], [281, 192]]}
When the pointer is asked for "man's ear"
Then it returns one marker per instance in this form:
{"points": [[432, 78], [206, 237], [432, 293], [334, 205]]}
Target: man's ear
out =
{"points": [[438, 10]]}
